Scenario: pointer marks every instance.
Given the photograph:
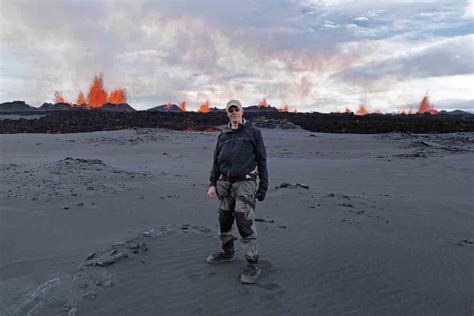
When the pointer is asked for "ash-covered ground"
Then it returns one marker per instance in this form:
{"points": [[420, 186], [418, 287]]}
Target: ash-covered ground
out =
{"points": [[118, 222]]}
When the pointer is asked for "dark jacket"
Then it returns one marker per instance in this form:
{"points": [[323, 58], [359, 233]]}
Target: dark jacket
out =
{"points": [[238, 152]]}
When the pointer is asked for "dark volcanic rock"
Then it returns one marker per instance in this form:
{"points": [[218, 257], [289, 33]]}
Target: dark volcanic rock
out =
{"points": [[263, 122], [257, 109], [88, 121], [16, 106], [216, 110], [381, 123], [455, 112], [55, 107], [110, 107], [166, 108]]}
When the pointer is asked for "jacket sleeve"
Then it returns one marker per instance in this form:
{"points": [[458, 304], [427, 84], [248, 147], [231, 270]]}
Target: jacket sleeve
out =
{"points": [[261, 157], [215, 173]]}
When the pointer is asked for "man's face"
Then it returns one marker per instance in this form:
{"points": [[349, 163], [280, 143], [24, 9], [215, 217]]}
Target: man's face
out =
{"points": [[235, 114]]}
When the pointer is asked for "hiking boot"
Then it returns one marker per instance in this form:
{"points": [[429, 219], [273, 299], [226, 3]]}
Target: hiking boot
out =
{"points": [[220, 257], [250, 274]]}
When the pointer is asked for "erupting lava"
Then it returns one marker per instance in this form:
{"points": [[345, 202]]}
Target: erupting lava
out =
{"points": [[425, 107], [81, 101], [283, 109], [362, 110], [58, 97], [204, 108], [97, 95], [263, 104], [118, 96], [182, 106]]}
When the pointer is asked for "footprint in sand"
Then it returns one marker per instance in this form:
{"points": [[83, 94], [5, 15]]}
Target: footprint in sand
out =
{"points": [[271, 290], [274, 287]]}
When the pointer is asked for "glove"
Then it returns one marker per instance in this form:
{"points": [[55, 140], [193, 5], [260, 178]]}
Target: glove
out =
{"points": [[260, 195]]}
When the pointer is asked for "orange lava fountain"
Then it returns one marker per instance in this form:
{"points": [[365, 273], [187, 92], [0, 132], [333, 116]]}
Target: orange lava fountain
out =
{"points": [[81, 101], [263, 104], [283, 109], [58, 97], [118, 96], [425, 107], [204, 108], [97, 96], [362, 111]]}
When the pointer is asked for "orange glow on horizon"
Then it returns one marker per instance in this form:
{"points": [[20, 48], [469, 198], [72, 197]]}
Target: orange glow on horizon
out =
{"points": [[58, 97], [263, 104], [283, 109]]}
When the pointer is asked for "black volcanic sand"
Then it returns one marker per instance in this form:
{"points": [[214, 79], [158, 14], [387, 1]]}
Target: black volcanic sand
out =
{"points": [[118, 222], [96, 120]]}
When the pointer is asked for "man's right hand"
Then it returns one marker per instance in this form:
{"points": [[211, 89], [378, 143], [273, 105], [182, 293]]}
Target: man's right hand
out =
{"points": [[260, 195], [211, 192]]}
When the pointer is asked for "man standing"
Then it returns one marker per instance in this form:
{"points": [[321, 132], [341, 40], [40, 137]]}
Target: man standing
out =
{"points": [[239, 158]]}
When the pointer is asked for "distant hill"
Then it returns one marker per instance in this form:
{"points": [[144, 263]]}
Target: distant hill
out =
{"points": [[216, 110], [16, 106], [110, 107], [55, 107], [165, 108], [455, 112], [258, 109]]}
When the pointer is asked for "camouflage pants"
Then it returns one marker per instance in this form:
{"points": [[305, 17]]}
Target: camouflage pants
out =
{"points": [[237, 201]]}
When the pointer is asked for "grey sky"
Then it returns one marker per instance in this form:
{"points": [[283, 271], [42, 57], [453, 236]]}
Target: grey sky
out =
{"points": [[313, 55]]}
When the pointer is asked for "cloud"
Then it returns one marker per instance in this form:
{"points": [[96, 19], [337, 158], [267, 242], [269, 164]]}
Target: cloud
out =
{"points": [[329, 25], [310, 54], [469, 10], [445, 58]]}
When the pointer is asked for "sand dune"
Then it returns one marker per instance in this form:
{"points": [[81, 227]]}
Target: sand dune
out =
{"points": [[118, 223]]}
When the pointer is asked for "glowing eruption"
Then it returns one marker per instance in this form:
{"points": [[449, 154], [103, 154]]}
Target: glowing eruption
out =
{"points": [[362, 111], [97, 96], [283, 109], [167, 106], [58, 97], [118, 96], [80, 99], [425, 107], [263, 104], [182, 106], [204, 108]]}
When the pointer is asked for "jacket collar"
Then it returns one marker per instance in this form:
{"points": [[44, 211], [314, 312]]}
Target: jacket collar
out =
{"points": [[229, 126]]}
